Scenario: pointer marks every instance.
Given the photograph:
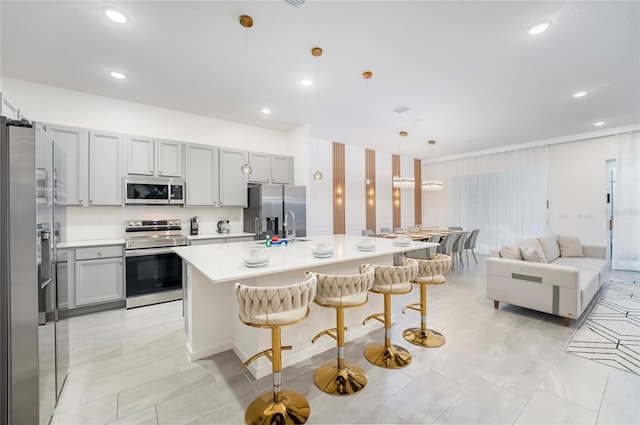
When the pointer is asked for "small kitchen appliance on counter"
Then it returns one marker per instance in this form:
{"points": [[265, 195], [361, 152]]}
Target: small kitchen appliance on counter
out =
{"points": [[223, 226], [194, 226]]}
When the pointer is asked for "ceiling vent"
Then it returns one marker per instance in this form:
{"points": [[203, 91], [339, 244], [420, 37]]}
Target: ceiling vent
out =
{"points": [[296, 3], [400, 109]]}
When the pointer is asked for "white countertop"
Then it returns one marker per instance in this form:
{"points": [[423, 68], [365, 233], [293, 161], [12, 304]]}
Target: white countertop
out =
{"points": [[85, 244], [219, 235], [222, 263]]}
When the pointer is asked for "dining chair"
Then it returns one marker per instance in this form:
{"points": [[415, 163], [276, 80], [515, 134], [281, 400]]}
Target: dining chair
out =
{"points": [[398, 230], [447, 243], [368, 232], [455, 228], [385, 230], [470, 244], [458, 247]]}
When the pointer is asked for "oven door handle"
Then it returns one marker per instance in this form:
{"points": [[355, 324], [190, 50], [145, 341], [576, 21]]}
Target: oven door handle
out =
{"points": [[147, 251]]}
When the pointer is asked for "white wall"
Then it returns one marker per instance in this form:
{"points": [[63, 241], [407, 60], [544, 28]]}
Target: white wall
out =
{"points": [[384, 205], [60, 106], [320, 192], [577, 188], [354, 192]]}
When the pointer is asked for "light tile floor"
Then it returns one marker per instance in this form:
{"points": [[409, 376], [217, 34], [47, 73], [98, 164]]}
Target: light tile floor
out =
{"points": [[497, 367]]}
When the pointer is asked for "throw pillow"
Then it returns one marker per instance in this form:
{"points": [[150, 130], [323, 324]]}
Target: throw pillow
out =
{"points": [[535, 244], [570, 246], [529, 253], [550, 248], [511, 251]]}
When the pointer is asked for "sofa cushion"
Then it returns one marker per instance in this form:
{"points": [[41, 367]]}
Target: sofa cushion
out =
{"points": [[589, 286], [535, 244], [597, 265], [550, 247], [570, 246], [511, 251]]}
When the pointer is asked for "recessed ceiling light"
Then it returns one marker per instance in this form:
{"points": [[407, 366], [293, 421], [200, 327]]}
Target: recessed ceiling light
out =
{"points": [[116, 15], [466, 141], [580, 94], [117, 75], [432, 142], [266, 111], [306, 82], [599, 123], [539, 28]]}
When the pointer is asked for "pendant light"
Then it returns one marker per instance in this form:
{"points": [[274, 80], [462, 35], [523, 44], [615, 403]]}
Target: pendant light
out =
{"points": [[398, 181], [247, 22], [432, 185], [316, 52]]}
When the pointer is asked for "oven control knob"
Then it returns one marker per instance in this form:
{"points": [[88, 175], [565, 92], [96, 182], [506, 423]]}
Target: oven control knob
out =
{"points": [[138, 223], [131, 224], [170, 222]]}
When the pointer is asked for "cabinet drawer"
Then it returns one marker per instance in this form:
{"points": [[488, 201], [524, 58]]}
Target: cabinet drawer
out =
{"points": [[98, 252]]}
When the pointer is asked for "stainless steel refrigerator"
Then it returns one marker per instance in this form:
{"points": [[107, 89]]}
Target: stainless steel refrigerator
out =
{"points": [[33, 340], [270, 204]]}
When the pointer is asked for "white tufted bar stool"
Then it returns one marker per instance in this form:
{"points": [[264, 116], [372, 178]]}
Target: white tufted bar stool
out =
{"points": [[274, 307], [340, 292], [430, 272], [389, 280]]}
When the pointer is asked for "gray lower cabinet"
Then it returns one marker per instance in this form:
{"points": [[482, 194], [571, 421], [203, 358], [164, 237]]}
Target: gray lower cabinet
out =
{"points": [[105, 169], [99, 275], [212, 241]]}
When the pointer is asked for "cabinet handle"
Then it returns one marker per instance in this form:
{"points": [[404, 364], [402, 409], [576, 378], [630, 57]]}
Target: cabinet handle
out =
{"points": [[99, 253]]}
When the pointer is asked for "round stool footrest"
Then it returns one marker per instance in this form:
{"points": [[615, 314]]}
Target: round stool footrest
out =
{"points": [[294, 409], [424, 337], [392, 357], [334, 381]]}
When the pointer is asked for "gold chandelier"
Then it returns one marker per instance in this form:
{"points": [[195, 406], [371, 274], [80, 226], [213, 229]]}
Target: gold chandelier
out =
{"points": [[398, 181]]}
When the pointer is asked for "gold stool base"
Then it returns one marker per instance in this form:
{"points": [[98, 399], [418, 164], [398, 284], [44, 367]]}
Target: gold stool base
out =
{"points": [[336, 381], [424, 338], [392, 357], [294, 409]]}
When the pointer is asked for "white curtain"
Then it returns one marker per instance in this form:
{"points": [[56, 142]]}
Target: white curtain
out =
{"points": [[503, 194], [626, 204]]}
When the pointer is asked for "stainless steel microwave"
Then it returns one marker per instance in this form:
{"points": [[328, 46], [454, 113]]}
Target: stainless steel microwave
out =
{"points": [[153, 191]]}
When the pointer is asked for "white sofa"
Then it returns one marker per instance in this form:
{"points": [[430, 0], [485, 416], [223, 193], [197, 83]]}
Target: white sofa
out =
{"points": [[556, 284]]}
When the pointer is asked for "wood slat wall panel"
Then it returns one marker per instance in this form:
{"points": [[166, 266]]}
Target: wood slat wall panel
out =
{"points": [[395, 193], [370, 195], [339, 197], [417, 174]]}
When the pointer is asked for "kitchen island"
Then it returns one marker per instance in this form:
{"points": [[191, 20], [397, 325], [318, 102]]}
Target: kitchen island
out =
{"points": [[211, 312]]}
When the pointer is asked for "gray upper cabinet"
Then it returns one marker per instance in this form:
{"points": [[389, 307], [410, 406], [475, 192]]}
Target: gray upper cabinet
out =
{"points": [[201, 175], [140, 158], [270, 168], [147, 156], [71, 160], [169, 158], [105, 168], [233, 184], [281, 169]]}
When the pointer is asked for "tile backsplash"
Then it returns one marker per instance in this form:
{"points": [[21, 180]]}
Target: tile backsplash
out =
{"points": [[105, 222]]}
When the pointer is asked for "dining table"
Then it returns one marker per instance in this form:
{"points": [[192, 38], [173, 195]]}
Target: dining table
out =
{"points": [[419, 234]]}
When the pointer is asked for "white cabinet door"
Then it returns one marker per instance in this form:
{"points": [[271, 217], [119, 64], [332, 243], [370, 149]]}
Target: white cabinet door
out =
{"points": [[233, 184], [99, 281], [140, 155], [261, 167], [70, 163], [201, 177], [281, 169], [105, 171], [169, 154]]}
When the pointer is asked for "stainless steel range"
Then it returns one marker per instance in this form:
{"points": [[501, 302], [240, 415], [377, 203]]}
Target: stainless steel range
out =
{"points": [[153, 270]]}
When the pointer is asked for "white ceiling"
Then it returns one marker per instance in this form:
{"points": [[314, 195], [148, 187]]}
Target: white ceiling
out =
{"points": [[468, 70]]}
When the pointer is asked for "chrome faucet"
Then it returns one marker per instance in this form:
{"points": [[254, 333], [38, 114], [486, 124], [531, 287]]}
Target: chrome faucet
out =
{"points": [[290, 234]]}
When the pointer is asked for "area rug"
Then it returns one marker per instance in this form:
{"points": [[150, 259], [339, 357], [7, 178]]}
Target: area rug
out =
{"points": [[611, 332]]}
